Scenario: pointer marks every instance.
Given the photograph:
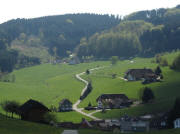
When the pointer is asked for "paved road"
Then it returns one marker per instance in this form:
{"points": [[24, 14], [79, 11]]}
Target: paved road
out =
{"points": [[75, 105], [70, 132]]}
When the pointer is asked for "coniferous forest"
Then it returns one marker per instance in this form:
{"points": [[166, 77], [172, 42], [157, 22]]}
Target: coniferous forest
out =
{"points": [[143, 33]]}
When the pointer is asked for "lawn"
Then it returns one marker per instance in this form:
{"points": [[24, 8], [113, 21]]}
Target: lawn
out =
{"points": [[70, 117]]}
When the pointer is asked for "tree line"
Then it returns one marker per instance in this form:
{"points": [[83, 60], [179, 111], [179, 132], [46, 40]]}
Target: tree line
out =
{"points": [[62, 32], [143, 33]]}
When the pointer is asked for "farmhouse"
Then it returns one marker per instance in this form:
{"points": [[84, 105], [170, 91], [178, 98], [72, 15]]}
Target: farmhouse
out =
{"points": [[65, 105], [138, 74], [33, 111], [113, 101]]}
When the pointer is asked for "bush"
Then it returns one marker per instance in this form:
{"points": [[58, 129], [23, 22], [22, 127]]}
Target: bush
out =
{"points": [[114, 76], [158, 70], [158, 58], [49, 117], [87, 71], [163, 62], [114, 60], [11, 107], [176, 63], [146, 95]]}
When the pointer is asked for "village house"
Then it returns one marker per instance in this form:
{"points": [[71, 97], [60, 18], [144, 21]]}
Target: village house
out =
{"points": [[74, 60], [177, 123], [113, 122], [159, 121], [106, 101], [65, 105], [140, 74], [33, 111], [129, 124]]}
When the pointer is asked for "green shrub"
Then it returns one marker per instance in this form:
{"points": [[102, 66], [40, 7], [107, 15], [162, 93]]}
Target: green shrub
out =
{"points": [[176, 63]]}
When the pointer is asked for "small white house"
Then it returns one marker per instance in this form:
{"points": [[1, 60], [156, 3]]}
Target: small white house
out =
{"points": [[177, 123]]}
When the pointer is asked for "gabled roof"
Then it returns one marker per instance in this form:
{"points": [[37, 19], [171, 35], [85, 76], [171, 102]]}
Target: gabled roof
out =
{"points": [[112, 96], [65, 101], [139, 73], [32, 104]]}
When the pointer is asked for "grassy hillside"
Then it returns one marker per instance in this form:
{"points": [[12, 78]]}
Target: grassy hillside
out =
{"points": [[48, 84], [13, 126], [165, 91]]}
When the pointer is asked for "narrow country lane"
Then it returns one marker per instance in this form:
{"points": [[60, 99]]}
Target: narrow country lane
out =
{"points": [[75, 105]]}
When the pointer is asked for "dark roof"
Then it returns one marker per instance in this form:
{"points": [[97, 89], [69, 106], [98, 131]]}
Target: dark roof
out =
{"points": [[139, 73], [64, 101], [112, 96], [32, 104]]}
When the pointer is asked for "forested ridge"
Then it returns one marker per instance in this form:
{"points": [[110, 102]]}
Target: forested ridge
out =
{"points": [[62, 31], [31, 41], [143, 33]]}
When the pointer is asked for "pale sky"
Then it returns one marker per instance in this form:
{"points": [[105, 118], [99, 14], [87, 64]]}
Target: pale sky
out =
{"points": [[12, 9]]}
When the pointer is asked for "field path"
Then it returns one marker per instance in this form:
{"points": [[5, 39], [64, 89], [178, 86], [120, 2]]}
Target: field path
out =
{"points": [[75, 105]]}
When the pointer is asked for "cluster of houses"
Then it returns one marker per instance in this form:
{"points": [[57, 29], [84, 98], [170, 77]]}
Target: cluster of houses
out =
{"points": [[34, 111], [124, 124]]}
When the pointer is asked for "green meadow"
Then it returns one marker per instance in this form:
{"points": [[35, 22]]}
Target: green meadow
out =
{"points": [[14, 126], [165, 91], [48, 84]]}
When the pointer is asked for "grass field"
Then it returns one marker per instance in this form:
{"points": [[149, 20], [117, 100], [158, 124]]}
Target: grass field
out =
{"points": [[14, 126], [70, 116], [48, 84], [165, 91]]}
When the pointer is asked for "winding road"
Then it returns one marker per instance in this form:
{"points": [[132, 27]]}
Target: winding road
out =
{"points": [[75, 105]]}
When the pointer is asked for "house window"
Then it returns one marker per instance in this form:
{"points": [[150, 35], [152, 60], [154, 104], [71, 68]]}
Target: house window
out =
{"points": [[177, 123]]}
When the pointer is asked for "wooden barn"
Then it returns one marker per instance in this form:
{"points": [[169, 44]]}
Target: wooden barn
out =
{"points": [[33, 111]]}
